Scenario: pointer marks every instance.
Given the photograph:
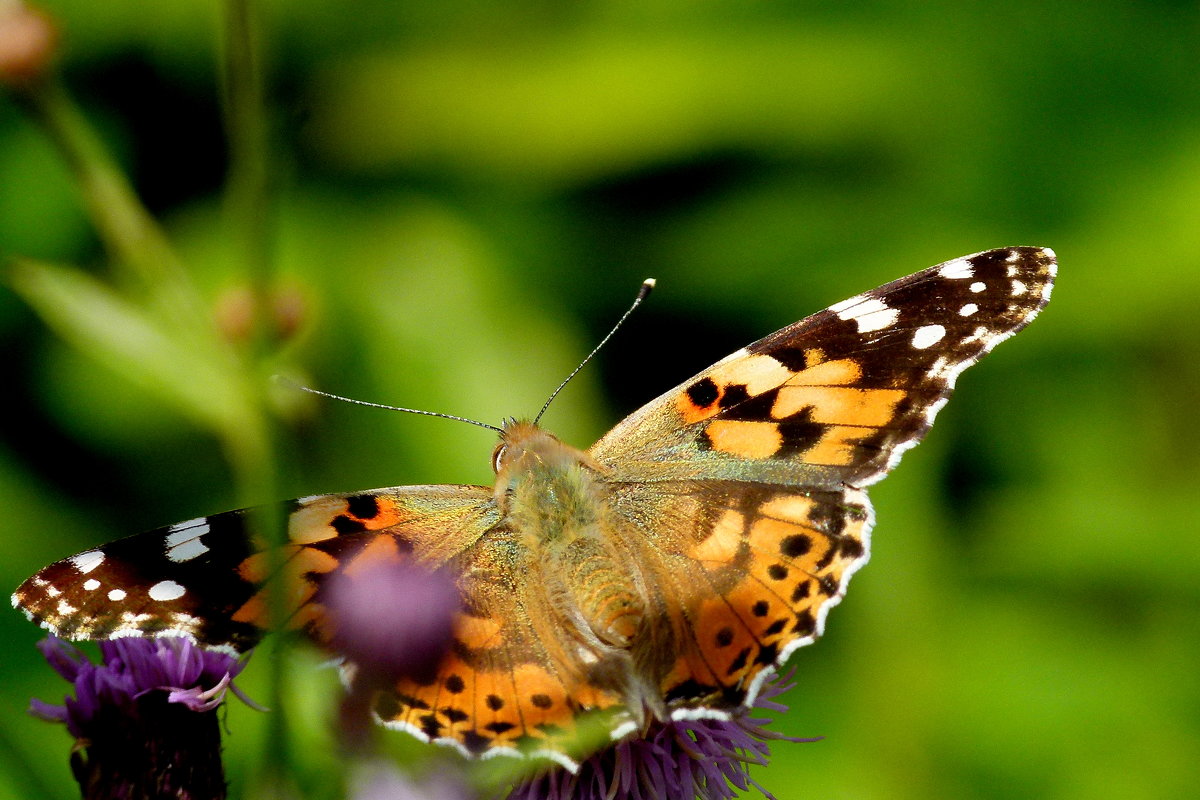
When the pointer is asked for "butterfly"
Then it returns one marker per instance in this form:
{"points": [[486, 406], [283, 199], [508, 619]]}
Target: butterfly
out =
{"points": [[665, 572]]}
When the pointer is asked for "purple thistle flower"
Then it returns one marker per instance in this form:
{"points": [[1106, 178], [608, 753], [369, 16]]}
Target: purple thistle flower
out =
{"points": [[378, 779], [389, 620], [680, 759], [141, 717], [392, 619]]}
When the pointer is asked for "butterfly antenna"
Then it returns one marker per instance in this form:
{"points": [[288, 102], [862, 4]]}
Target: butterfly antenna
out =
{"points": [[642, 294], [293, 385]]}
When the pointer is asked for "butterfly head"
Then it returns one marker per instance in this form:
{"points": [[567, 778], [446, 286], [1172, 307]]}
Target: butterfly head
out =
{"points": [[520, 442], [531, 461]]}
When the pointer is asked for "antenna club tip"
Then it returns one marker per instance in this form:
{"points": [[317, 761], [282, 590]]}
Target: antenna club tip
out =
{"points": [[647, 285]]}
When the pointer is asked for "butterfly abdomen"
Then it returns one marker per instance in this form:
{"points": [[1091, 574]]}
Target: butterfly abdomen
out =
{"points": [[600, 588]]}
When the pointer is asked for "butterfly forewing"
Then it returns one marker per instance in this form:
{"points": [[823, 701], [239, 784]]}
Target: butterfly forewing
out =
{"points": [[839, 396], [179, 580]]}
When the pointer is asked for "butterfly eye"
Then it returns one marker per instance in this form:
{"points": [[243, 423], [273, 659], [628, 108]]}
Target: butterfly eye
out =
{"points": [[498, 456]]}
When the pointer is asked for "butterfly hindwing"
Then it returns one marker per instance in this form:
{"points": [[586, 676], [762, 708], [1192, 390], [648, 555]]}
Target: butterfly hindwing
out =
{"points": [[749, 578]]}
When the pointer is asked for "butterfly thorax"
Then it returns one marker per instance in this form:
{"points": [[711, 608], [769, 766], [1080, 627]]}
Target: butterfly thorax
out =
{"points": [[552, 497], [547, 489]]}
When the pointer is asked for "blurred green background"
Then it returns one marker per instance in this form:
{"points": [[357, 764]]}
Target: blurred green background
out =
{"points": [[467, 195]]}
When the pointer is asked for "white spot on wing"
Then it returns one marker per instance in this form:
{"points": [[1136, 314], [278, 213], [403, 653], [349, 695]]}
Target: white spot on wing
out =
{"points": [[958, 269], [86, 562], [850, 302], [166, 590], [65, 608], [183, 540], [869, 313], [186, 551], [192, 529], [968, 310], [91, 584], [116, 595], [877, 320], [1019, 288], [928, 336], [978, 286]]}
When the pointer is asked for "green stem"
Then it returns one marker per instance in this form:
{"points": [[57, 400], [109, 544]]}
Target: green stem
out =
{"points": [[248, 203], [248, 194]]}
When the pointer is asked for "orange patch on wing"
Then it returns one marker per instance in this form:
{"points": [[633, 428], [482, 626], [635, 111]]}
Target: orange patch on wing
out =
{"points": [[766, 533], [807, 548], [813, 356], [476, 632], [314, 521], [254, 568], [390, 513], [745, 439], [758, 373], [690, 666], [840, 372], [484, 709], [296, 561], [836, 447], [380, 550], [309, 559], [690, 412], [725, 643], [839, 405], [253, 611], [722, 543], [311, 614], [297, 589], [793, 507]]}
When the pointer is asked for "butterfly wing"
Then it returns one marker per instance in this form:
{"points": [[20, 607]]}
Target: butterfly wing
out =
{"points": [[839, 396], [739, 492], [503, 687], [743, 484], [205, 578]]}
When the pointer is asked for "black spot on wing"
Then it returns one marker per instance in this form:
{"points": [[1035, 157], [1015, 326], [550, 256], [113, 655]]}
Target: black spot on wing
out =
{"points": [[454, 715], [753, 409], [475, 742], [363, 506], [792, 358], [691, 689], [347, 525], [703, 393], [799, 433], [733, 395]]}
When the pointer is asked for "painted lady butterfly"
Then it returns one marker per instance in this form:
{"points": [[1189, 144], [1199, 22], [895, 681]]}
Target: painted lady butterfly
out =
{"points": [[665, 572]]}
